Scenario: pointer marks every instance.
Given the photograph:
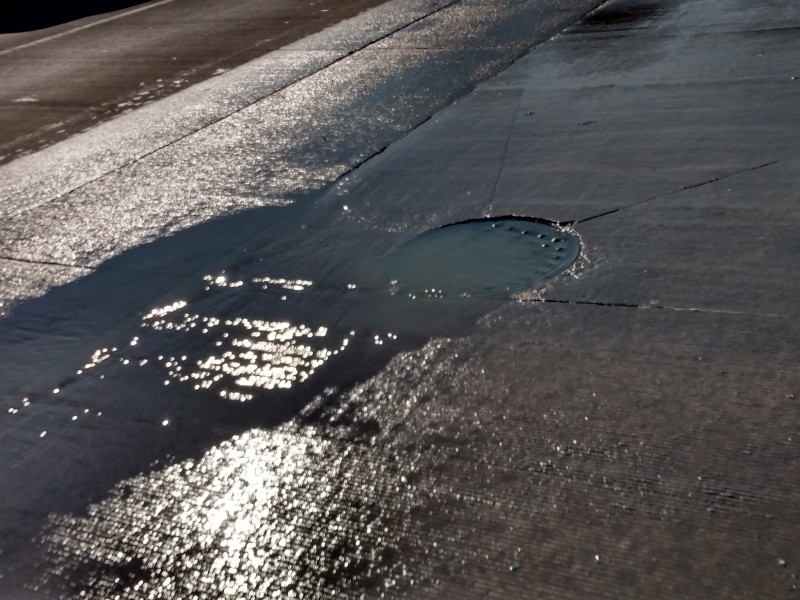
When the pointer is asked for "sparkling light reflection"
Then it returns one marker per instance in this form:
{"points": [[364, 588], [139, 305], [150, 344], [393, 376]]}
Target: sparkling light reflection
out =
{"points": [[279, 513], [254, 354], [266, 514], [235, 357], [276, 361]]}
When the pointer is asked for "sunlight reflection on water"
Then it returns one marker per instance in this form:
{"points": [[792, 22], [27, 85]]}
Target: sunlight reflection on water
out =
{"points": [[266, 514]]}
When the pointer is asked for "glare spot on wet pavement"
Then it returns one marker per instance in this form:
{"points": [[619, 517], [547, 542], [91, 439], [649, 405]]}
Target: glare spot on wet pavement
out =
{"points": [[279, 514]]}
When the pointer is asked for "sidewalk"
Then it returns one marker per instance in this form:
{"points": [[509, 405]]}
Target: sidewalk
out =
{"points": [[631, 431]]}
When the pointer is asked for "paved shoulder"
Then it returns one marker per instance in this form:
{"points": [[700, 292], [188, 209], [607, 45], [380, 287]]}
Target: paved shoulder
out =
{"points": [[63, 79]]}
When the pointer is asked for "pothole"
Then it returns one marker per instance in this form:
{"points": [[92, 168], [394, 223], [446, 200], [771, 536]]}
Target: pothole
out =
{"points": [[481, 257]]}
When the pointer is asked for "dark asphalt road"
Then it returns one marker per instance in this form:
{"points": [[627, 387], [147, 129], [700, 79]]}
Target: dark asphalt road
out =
{"points": [[60, 80]]}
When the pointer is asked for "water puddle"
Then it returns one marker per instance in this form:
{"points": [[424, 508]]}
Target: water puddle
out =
{"points": [[485, 257], [247, 334], [233, 434], [250, 333]]}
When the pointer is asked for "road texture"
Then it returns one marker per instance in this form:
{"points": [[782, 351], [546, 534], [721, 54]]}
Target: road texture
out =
{"points": [[222, 400], [63, 79]]}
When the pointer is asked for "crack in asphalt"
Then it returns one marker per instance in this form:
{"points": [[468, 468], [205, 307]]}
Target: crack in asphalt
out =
{"points": [[501, 170], [655, 307], [50, 263], [722, 177], [695, 33], [674, 192]]}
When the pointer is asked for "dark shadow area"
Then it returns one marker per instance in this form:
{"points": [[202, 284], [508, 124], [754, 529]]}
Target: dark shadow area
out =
{"points": [[629, 14], [26, 15], [44, 342], [129, 346]]}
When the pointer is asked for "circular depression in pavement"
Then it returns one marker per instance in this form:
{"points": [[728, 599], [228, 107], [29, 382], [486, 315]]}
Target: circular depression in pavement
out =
{"points": [[481, 257]]}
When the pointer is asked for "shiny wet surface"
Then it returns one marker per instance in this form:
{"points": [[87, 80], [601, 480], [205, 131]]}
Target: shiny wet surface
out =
{"points": [[627, 430], [485, 257], [234, 463], [208, 379], [68, 68]]}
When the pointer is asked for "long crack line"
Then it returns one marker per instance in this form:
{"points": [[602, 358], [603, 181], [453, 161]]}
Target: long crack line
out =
{"points": [[512, 126], [49, 263], [674, 192], [715, 311]]}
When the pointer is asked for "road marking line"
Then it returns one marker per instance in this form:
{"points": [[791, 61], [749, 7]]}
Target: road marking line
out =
{"points": [[82, 27]]}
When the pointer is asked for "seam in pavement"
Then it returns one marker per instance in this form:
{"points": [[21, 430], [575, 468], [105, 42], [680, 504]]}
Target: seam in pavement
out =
{"points": [[672, 193], [377, 152], [633, 30], [50, 263], [453, 48], [733, 31], [506, 145], [714, 311]]}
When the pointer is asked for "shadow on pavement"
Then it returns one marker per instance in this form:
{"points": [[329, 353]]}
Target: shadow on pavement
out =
{"points": [[233, 279]]}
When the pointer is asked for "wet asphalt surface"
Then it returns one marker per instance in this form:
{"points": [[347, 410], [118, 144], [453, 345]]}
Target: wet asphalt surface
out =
{"points": [[222, 195], [214, 389], [70, 67]]}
